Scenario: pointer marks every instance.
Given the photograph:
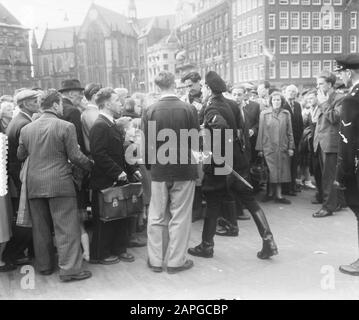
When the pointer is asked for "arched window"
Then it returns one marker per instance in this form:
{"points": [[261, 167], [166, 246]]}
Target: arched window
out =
{"points": [[59, 64], [46, 66]]}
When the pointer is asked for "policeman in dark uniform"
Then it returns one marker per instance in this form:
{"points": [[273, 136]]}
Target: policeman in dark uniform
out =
{"points": [[220, 190], [347, 175]]}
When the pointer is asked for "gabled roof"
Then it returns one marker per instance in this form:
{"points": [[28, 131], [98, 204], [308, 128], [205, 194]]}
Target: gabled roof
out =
{"points": [[115, 20], [166, 22], [59, 38], [7, 18]]}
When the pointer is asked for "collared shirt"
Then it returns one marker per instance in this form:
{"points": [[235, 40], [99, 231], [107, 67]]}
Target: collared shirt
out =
{"points": [[26, 115], [170, 95], [108, 116]]}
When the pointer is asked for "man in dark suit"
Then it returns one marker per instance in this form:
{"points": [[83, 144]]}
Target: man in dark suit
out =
{"points": [[110, 239], [28, 103], [326, 142], [295, 111], [50, 144], [72, 93], [250, 112], [347, 173]]}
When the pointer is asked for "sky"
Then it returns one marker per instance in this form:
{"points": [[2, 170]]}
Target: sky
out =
{"points": [[39, 14]]}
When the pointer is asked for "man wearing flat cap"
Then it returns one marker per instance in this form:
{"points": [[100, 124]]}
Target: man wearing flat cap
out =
{"points": [[72, 93], [51, 146], [347, 173], [221, 188], [28, 103]]}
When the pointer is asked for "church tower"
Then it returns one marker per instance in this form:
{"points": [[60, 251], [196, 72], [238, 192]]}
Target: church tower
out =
{"points": [[132, 10]]}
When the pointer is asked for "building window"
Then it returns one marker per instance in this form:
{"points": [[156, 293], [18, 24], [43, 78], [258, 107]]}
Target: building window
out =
{"points": [[255, 48], [255, 23], [294, 45], [284, 45], [327, 2], [272, 71], [353, 20], [337, 2], [306, 2], [46, 67], [327, 65], [260, 23], [294, 20], [316, 20], [306, 69], [295, 70], [272, 46], [327, 44], [261, 71], [316, 45], [283, 1], [353, 44], [338, 20], [294, 1], [337, 44], [165, 56], [271, 21], [165, 67], [327, 20], [260, 47], [316, 69], [305, 44], [283, 20], [316, 2], [271, 1], [284, 69], [305, 20]]}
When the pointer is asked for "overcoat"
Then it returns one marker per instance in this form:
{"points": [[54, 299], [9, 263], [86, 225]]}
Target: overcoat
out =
{"points": [[275, 138]]}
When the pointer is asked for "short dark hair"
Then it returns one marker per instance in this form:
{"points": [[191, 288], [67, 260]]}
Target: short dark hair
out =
{"points": [[50, 97], [312, 91], [193, 76], [130, 105], [328, 76], [91, 89], [103, 95], [165, 80], [266, 84]]}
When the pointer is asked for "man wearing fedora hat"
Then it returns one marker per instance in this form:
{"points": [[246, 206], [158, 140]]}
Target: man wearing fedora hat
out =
{"points": [[27, 101], [72, 93]]}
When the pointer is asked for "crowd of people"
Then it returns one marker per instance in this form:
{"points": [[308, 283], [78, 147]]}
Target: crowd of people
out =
{"points": [[66, 146]]}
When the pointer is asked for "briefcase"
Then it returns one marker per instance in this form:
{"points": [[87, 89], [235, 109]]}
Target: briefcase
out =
{"points": [[120, 202]]}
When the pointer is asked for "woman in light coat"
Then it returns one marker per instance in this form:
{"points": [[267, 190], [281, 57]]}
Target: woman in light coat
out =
{"points": [[275, 143]]}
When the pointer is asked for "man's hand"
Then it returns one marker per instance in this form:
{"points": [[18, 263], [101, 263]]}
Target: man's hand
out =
{"points": [[322, 97], [260, 154], [337, 185], [138, 175], [291, 152], [251, 133], [122, 176]]}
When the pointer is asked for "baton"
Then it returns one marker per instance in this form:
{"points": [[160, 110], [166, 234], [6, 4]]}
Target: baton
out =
{"points": [[239, 177]]}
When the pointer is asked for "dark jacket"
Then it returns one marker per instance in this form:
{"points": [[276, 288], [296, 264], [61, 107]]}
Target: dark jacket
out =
{"points": [[223, 114], [50, 143], [107, 150], [297, 121], [73, 115], [348, 154], [251, 114], [13, 132], [169, 113], [132, 115]]}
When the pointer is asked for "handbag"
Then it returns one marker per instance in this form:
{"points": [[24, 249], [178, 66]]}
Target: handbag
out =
{"points": [[120, 202], [259, 171]]}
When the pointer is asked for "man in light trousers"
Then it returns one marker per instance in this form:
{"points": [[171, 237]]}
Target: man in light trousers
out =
{"points": [[173, 183]]}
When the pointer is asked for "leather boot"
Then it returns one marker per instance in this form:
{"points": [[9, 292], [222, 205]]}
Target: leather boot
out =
{"points": [[231, 225], [269, 247], [204, 250], [352, 269]]}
